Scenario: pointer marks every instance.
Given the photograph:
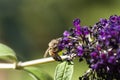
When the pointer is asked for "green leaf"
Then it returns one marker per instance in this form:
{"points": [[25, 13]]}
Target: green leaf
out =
{"points": [[7, 54], [37, 73], [64, 71]]}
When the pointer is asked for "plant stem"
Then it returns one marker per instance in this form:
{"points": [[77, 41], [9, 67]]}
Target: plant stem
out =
{"points": [[7, 65], [28, 63], [38, 61]]}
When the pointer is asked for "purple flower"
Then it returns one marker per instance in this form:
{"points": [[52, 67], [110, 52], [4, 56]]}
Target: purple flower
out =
{"points": [[85, 30], [117, 28], [102, 35], [94, 55], [95, 66], [79, 51], [66, 34], [61, 46], [104, 22], [98, 45], [103, 56], [76, 22], [65, 41], [113, 19], [114, 33], [78, 31], [112, 60]]}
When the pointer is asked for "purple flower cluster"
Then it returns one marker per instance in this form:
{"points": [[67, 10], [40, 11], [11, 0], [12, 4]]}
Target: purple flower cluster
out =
{"points": [[105, 58], [73, 40], [98, 45]]}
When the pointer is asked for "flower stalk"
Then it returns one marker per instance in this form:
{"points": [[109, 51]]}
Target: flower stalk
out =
{"points": [[7, 65], [28, 63]]}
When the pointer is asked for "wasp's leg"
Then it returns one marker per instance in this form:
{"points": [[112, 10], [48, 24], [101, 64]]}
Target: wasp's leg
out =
{"points": [[57, 57], [46, 52]]}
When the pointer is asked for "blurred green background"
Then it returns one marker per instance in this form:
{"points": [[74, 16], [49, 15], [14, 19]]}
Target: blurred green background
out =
{"points": [[27, 26]]}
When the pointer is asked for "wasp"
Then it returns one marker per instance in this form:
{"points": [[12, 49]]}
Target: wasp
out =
{"points": [[53, 49]]}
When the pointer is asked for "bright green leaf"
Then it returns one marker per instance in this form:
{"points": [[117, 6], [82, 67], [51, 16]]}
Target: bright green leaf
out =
{"points": [[64, 71], [37, 73], [7, 54]]}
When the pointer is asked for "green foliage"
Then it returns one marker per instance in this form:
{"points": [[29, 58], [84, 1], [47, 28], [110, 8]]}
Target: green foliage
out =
{"points": [[7, 54], [37, 73], [64, 71]]}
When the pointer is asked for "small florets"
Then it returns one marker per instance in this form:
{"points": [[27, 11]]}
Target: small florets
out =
{"points": [[98, 45]]}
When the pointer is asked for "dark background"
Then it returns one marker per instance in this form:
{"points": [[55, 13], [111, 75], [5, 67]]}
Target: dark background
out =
{"points": [[27, 26]]}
